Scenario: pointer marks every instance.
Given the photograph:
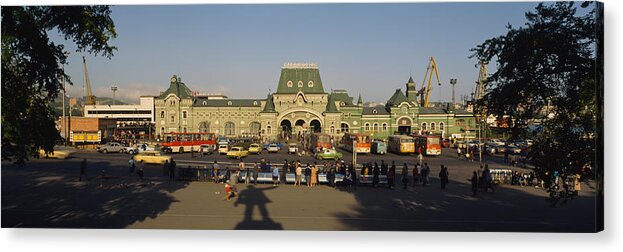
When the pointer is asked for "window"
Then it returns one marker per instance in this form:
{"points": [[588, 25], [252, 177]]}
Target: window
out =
{"points": [[161, 114], [441, 126], [230, 129], [184, 129], [432, 126], [255, 127], [374, 111], [343, 127], [376, 127], [300, 84], [229, 103], [205, 103], [268, 130], [184, 114], [162, 131], [255, 103], [367, 127], [310, 84], [289, 83], [460, 122], [172, 119], [332, 129], [384, 127], [424, 126]]}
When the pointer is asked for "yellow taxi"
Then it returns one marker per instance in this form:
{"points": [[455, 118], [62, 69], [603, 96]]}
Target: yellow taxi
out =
{"points": [[151, 157], [255, 149]]}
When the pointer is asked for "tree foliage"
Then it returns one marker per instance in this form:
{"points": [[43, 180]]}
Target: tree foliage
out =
{"points": [[546, 74], [31, 69]]}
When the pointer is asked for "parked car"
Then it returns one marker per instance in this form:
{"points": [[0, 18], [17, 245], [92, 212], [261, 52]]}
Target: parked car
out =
{"points": [[265, 146], [223, 149], [206, 149], [151, 157], [495, 142], [513, 149], [138, 148], [255, 149], [293, 148], [60, 152], [273, 148], [110, 147], [379, 147], [328, 154], [237, 152]]}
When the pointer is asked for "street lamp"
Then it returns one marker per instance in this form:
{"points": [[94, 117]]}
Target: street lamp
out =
{"points": [[453, 83], [114, 91]]}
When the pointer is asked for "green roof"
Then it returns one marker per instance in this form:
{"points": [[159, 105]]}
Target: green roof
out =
{"points": [[178, 88], [397, 98], [377, 110], [331, 108], [300, 78], [342, 96], [270, 104], [204, 102]]}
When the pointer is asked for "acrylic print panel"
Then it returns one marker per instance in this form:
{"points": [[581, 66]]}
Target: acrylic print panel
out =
{"points": [[365, 117]]}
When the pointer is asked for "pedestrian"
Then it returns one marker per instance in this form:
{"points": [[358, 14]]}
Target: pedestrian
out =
{"points": [[314, 175], [330, 176], [375, 175], [416, 174], [83, 169], [216, 172], [141, 169], [425, 172], [241, 168], [308, 173], [256, 172], [383, 167], [132, 165], [391, 175], [230, 191], [420, 157], [275, 176], [172, 167], [247, 175], [443, 176], [474, 183], [458, 152], [365, 172], [488, 179], [404, 176], [576, 184], [298, 174], [201, 151], [284, 169]]}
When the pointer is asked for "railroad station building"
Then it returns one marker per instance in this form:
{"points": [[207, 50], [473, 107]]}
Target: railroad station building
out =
{"points": [[301, 104]]}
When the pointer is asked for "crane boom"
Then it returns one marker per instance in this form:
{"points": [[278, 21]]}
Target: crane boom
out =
{"points": [[481, 84], [425, 92], [90, 98]]}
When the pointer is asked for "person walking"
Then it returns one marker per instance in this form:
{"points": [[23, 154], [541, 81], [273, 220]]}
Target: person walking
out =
{"points": [[416, 175], [247, 175], [425, 172], [172, 167], [486, 174], [83, 169], [420, 157], [314, 175], [284, 169], [443, 176], [141, 169], [241, 168], [298, 174], [331, 176], [458, 152], [404, 176], [308, 173], [391, 176], [216, 172], [256, 172], [474, 183], [132, 165], [383, 167], [276, 176], [375, 175]]}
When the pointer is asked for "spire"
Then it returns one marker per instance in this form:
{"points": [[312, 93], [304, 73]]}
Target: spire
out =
{"points": [[270, 104], [331, 108], [410, 80], [359, 102]]}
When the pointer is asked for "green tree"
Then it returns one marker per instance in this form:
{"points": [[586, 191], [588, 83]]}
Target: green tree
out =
{"points": [[31, 69], [547, 71]]}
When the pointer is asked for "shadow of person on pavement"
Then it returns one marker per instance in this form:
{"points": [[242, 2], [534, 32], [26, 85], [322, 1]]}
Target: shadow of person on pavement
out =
{"points": [[252, 197]]}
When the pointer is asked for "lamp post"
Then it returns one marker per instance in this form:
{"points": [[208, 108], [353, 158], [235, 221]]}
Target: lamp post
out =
{"points": [[114, 91], [453, 83]]}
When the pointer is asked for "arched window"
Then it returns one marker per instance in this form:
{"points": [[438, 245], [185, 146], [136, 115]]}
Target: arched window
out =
{"points": [[269, 130], [376, 127], [184, 114], [172, 119], [289, 83], [367, 127], [343, 127], [255, 127], [162, 131], [424, 126], [205, 103], [332, 129], [310, 84], [384, 127], [184, 129], [432, 126], [300, 84], [441, 126], [161, 114], [230, 129]]}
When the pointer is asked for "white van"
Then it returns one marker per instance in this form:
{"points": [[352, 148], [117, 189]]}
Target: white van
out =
{"points": [[223, 149]]}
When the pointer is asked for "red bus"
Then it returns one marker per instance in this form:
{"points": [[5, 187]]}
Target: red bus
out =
{"points": [[427, 144], [320, 141], [188, 141], [362, 142]]}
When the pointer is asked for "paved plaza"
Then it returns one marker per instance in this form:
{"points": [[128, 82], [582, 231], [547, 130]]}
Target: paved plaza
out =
{"points": [[47, 193]]}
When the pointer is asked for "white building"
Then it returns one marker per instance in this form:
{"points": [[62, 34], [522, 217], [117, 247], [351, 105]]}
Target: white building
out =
{"points": [[131, 113]]}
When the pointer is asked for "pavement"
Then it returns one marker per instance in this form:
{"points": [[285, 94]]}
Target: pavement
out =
{"points": [[48, 193]]}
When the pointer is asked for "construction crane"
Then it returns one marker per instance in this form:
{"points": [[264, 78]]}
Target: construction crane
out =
{"points": [[425, 91], [90, 98], [481, 83]]}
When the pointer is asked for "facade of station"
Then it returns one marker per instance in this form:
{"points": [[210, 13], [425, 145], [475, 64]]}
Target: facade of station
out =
{"points": [[301, 105]]}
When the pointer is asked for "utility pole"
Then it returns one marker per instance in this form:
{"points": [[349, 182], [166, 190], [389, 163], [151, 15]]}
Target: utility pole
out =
{"points": [[453, 83], [114, 91], [64, 124]]}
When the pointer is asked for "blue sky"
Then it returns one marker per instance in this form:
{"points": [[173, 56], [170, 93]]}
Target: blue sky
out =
{"points": [[238, 50]]}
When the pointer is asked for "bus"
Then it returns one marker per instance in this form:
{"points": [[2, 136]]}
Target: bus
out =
{"points": [[428, 145], [363, 142], [320, 141], [187, 141], [400, 144]]}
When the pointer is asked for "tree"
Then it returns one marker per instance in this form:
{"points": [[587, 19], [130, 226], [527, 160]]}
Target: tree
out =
{"points": [[546, 74], [31, 69]]}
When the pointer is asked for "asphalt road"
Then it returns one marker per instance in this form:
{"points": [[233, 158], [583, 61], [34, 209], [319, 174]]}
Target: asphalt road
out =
{"points": [[47, 193]]}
